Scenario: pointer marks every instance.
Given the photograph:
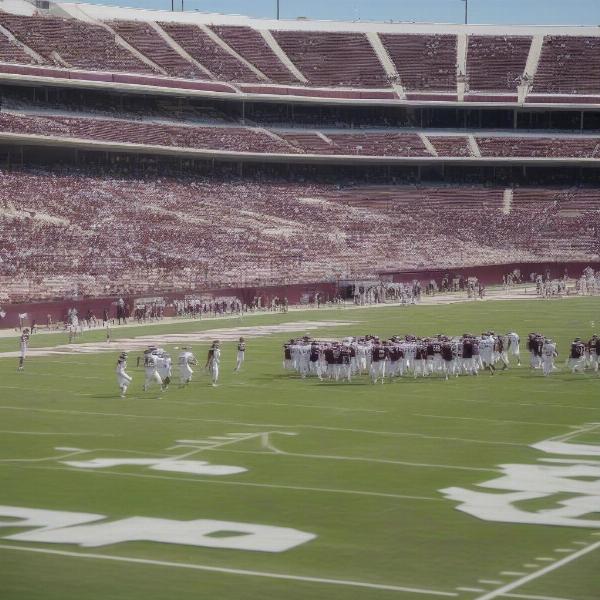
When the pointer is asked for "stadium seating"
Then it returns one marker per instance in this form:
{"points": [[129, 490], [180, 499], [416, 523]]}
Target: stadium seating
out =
{"points": [[101, 232], [71, 43], [539, 147], [145, 39], [235, 139], [333, 58], [496, 63], [208, 53], [569, 65], [250, 44], [423, 62], [451, 145], [259, 140]]}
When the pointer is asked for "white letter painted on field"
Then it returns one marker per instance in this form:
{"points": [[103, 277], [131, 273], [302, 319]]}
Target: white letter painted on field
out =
{"points": [[579, 477], [80, 528]]}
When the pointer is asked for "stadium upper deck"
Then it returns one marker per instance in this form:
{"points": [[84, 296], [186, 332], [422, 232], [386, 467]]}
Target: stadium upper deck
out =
{"points": [[233, 56]]}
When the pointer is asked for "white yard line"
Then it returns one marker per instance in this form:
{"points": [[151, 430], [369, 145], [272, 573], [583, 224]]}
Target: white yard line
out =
{"points": [[537, 574], [277, 452], [269, 425], [273, 486], [534, 597], [59, 433], [161, 563], [218, 443], [491, 420], [43, 459]]}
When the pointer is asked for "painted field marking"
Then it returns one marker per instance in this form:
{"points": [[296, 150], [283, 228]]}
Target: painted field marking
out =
{"points": [[72, 452], [580, 543], [535, 404], [513, 573], [140, 342], [536, 574], [531, 565], [564, 550], [533, 597], [59, 433], [218, 441], [470, 589], [490, 420], [271, 425], [373, 460], [490, 581], [285, 576], [545, 559], [319, 406], [244, 484], [587, 428]]}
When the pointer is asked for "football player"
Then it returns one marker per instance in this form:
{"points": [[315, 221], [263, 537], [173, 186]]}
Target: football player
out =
{"points": [[186, 361], [123, 379], [213, 361], [241, 352], [23, 347]]}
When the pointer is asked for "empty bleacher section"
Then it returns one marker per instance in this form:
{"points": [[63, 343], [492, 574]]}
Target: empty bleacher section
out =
{"points": [[496, 63], [145, 39], [100, 232], [423, 62], [223, 65], [569, 65], [333, 58], [71, 43], [250, 44]]}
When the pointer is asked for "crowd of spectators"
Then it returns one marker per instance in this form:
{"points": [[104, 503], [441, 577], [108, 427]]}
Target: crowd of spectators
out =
{"points": [[97, 233]]}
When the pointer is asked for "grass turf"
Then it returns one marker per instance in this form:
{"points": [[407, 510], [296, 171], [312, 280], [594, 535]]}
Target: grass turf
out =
{"points": [[363, 471]]}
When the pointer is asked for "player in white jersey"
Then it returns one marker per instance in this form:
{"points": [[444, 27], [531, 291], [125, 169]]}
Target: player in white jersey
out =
{"points": [[241, 355], [186, 361], [514, 346], [23, 347], [549, 353], [123, 379], [214, 361], [486, 351], [164, 366], [151, 369]]}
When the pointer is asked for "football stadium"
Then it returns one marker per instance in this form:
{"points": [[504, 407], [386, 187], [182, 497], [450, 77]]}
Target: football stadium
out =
{"points": [[298, 308]]}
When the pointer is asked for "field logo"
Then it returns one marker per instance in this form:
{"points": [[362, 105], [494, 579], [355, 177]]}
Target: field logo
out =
{"points": [[83, 529], [577, 477], [194, 467]]}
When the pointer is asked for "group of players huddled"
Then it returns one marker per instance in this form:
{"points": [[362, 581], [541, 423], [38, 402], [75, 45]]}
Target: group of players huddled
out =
{"points": [[440, 355]]}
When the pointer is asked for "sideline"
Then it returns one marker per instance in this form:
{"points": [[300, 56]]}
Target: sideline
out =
{"points": [[502, 591], [162, 563]]}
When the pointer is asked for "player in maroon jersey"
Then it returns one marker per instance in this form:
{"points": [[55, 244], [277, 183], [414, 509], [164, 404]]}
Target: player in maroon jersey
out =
{"points": [[577, 356]]}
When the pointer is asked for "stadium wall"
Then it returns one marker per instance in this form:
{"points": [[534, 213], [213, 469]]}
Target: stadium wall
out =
{"points": [[296, 294], [57, 309]]}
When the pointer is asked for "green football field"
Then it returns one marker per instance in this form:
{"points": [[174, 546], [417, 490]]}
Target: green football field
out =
{"points": [[349, 475]]}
